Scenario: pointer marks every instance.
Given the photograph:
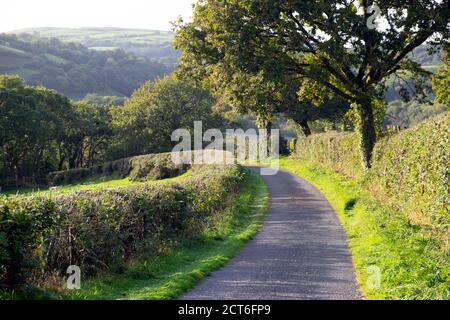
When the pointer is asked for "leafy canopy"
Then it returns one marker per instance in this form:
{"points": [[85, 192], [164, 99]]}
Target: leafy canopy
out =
{"points": [[331, 44]]}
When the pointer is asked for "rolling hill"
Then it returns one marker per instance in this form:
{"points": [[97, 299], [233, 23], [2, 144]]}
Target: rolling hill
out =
{"points": [[73, 69], [152, 44]]}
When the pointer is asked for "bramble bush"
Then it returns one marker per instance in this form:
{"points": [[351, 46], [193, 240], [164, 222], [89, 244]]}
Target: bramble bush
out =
{"points": [[103, 229], [410, 169]]}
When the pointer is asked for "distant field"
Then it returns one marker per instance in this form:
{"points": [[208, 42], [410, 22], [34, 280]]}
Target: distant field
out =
{"points": [[12, 58], [7, 50], [153, 44], [83, 35], [103, 48]]}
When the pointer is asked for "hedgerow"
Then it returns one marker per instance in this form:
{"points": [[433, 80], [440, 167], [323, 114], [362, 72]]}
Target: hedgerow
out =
{"points": [[139, 168], [103, 229], [413, 168], [337, 150], [410, 170]]}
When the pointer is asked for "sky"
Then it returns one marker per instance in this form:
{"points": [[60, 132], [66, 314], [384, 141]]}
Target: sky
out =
{"points": [[142, 14]]}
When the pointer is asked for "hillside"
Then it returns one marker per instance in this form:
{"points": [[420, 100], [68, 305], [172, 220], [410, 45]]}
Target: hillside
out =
{"points": [[152, 44], [73, 69]]}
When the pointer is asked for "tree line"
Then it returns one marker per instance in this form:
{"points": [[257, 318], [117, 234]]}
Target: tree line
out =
{"points": [[43, 131]]}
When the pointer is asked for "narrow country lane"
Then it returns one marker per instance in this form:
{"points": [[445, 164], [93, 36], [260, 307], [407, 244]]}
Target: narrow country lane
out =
{"points": [[301, 251]]}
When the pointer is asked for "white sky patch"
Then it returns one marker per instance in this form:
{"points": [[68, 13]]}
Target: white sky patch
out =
{"points": [[141, 14]]}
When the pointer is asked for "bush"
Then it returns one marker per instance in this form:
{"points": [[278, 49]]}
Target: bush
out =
{"points": [[410, 170], [23, 225], [155, 167], [102, 229], [139, 168]]}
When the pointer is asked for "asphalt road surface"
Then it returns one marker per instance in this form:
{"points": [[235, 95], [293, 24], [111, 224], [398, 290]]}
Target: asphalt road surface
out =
{"points": [[301, 252]]}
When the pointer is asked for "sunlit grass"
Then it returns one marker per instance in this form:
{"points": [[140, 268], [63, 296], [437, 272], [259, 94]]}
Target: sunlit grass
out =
{"points": [[91, 183], [412, 262]]}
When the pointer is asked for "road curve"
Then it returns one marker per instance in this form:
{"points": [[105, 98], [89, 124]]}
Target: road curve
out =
{"points": [[301, 251]]}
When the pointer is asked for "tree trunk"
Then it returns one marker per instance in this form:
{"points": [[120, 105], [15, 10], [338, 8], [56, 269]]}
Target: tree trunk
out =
{"points": [[264, 122], [301, 127], [268, 127], [305, 127], [367, 133]]}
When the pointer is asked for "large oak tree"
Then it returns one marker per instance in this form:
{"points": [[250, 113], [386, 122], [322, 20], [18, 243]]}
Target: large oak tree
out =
{"points": [[333, 45]]}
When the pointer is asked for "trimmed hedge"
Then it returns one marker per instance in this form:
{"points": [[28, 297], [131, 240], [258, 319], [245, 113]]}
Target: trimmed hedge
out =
{"points": [[139, 168], [410, 170], [413, 168], [103, 229], [337, 150]]}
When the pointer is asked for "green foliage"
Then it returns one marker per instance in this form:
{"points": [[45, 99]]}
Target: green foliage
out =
{"points": [[410, 169], [23, 228], [146, 122], [99, 100], [154, 167], [102, 229], [73, 69], [139, 168], [179, 269], [329, 44], [265, 98], [441, 81], [35, 121], [333, 149], [90, 134], [43, 131]]}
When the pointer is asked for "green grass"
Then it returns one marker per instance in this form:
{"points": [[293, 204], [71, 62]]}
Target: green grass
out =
{"points": [[412, 262], [170, 275], [91, 183]]}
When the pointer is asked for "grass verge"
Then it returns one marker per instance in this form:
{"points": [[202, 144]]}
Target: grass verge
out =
{"points": [[179, 269], [412, 263]]}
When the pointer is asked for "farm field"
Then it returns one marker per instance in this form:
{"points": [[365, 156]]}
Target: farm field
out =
{"points": [[81, 35]]}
